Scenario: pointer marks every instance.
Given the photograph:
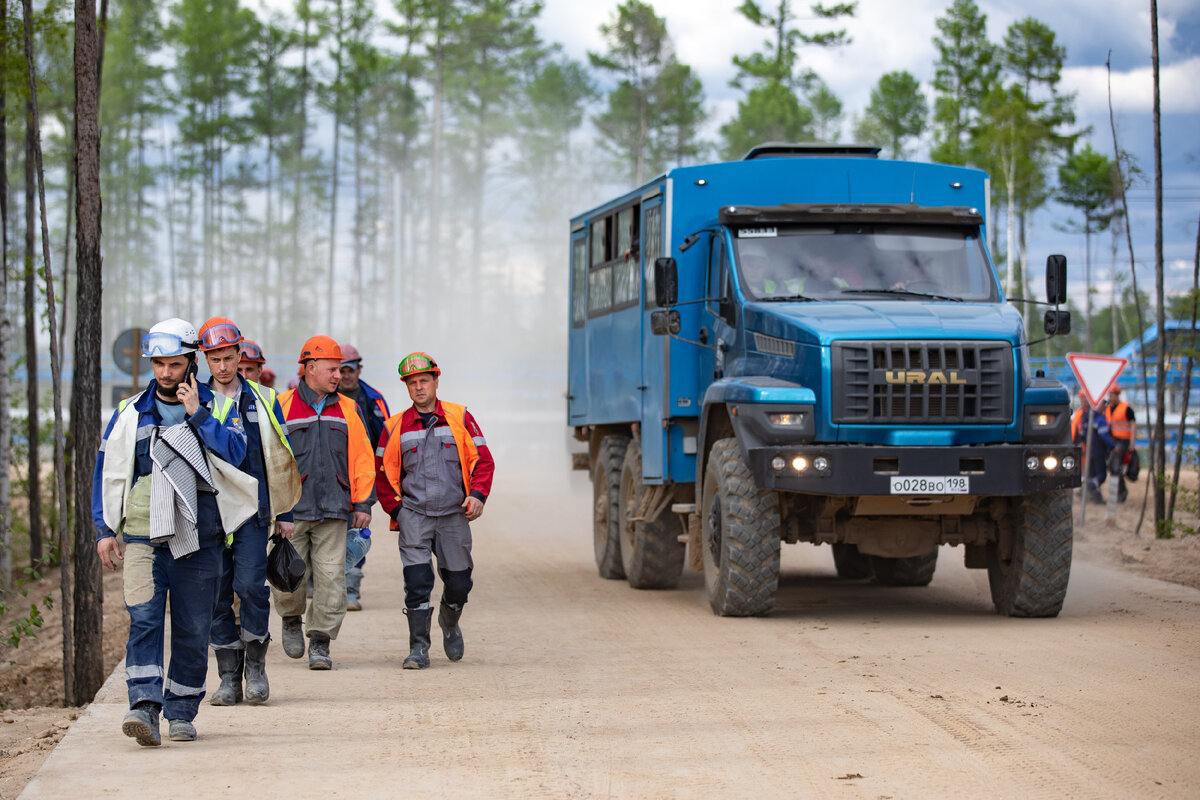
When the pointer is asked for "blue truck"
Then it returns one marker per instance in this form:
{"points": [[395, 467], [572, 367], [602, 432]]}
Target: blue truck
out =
{"points": [[812, 345]]}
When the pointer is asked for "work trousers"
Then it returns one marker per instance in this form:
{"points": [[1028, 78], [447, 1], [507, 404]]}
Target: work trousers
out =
{"points": [[244, 571], [421, 539], [1117, 465], [151, 574], [322, 545]]}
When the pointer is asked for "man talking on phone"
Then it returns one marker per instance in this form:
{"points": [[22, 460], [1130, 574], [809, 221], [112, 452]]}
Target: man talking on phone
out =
{"points": [[154, 486]]}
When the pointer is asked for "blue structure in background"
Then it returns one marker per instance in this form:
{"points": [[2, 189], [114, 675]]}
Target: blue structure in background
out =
{"points": [[1139, 379]]}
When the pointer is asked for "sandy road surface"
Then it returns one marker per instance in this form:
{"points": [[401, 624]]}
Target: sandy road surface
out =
{"points": [[577, 687]]}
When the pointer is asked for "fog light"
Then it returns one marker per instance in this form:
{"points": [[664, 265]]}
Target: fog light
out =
{"points": [[1043, 420], [799, 463], [1068, 463], [1050, 463], [777, 463], [821, 463], [791, 418], [1031, 463]]}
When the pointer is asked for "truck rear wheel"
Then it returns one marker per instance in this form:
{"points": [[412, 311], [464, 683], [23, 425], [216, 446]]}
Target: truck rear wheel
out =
{"points": [[911, 571], [740, 536], [606, 489], [851, 564], [1032, 580], [651, 553]]}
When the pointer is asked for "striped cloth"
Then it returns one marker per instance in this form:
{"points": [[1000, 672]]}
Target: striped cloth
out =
{"points": [[179, 468]]}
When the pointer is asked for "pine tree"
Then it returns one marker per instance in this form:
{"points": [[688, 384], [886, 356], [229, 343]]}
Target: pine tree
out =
{"points": [[897, 112], [966, 69]]}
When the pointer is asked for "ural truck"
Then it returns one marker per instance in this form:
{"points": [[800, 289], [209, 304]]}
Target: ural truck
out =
{"points": [[812, 345]]}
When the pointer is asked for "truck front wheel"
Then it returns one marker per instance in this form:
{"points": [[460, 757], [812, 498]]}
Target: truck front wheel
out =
{"points": [[740, 536], [606, 489], [1029, 577], [651, 553]]}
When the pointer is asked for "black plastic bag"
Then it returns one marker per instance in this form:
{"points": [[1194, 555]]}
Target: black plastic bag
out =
{"points": [[285, 567], [1134, 467]]}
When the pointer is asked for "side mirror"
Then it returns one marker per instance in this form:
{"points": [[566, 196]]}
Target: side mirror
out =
{"points": [[1056, 279], [666, 282], [663, 322], [1057, 323]]}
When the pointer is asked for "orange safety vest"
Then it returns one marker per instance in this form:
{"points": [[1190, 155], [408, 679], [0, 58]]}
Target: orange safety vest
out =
{"points": [[468, 453], [361, 468], [1119, 424]]}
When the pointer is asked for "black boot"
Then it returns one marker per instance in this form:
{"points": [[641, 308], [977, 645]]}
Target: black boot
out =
{"points": [[229, 667], [257, 688], [452, 640], [419, 620]]}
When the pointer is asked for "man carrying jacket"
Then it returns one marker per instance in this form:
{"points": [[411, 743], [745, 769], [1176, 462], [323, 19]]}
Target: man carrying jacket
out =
{"points": [[243, 647], [374, 411], [334, 455], [158, 483], [434, 475]]}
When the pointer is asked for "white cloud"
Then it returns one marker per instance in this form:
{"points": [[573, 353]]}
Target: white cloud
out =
{"points": [[1133, 90]]}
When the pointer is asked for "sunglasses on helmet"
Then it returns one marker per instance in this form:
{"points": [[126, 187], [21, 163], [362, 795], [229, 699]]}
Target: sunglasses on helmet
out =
{"points": [[222, 335], [162, 344], [251, 352]]}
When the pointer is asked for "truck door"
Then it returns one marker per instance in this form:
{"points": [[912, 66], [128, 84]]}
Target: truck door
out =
{"points": [[577, 367], [719, 319], [655, 368]]}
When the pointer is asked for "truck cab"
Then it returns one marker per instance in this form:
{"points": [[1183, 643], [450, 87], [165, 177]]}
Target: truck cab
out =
{"points": [[826, 356]]}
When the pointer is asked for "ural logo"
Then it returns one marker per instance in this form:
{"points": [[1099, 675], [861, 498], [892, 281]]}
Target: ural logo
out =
{"points": [[922, 377]]}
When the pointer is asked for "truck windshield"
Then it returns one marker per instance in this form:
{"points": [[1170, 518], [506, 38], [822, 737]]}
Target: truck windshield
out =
{"points": [[853, 261]]}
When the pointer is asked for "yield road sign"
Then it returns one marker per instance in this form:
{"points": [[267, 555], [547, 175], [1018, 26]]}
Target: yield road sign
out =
{"points": [[1096, 374]]}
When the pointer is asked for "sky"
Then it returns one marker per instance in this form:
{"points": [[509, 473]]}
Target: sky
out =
{"points": [[889, 36]]}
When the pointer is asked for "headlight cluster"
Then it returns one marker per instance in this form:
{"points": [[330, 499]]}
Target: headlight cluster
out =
{"points": [[1050, 463], [1042, 420], [802, 464]]}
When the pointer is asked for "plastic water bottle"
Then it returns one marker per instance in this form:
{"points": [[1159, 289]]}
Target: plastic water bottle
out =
{"points": [[358, 542]]}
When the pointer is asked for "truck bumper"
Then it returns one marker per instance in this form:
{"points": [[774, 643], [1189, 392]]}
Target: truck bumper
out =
{"points": [[858, 470]]}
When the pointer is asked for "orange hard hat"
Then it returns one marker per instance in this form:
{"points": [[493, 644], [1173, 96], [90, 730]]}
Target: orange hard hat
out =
{"points": [[218, 332], [320, 347], [416, 363]]}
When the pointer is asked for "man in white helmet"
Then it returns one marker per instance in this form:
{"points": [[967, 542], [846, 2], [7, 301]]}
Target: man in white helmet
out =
{"points": [[156, 481]]}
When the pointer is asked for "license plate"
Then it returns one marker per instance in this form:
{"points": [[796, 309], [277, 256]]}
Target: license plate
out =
{"points": [[931, 484]]}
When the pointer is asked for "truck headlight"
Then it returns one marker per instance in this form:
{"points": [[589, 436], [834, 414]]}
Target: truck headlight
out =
{"points": [[777, 463], [799, 463], [1068, 463], [1042, 420], [1050, 463], [786, 418]]}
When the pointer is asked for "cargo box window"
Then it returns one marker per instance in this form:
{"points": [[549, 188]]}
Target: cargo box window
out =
{"points": [[651, 249]]}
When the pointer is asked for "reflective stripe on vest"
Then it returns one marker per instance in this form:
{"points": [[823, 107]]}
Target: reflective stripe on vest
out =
{"points": [[1118, 421]]}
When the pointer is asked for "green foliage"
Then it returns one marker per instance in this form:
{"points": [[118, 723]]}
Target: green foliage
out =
{"points": [[826, 110], [770, 113], [897, 112], [1088, 182], [23, 626], [966, 68]]}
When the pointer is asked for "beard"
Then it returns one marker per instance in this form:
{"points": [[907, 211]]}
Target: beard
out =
{"points": [[168, 391]]}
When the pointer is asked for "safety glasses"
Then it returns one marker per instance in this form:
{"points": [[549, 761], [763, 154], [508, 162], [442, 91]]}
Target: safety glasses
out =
{"points": [[251, 351], [162, 344], [416, 363], [221, 335]]}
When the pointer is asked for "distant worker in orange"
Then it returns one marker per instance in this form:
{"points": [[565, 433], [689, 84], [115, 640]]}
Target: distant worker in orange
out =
{"points": [[1122, 424], [250, 361], [374, 411], [337, 466]]}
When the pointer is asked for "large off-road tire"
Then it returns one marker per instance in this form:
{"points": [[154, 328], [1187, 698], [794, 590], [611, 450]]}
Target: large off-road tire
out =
{"points": [[606, 489], [851, 564], [651, 553], [740, 539], [1032, 581], [911, 571]]}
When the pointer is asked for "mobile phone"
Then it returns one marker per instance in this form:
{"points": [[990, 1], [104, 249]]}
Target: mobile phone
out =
{"points": [[192, 371]]}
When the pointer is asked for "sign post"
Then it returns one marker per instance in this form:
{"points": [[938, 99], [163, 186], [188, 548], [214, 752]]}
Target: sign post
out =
{"points": [[127, 353], [1096, 375]]}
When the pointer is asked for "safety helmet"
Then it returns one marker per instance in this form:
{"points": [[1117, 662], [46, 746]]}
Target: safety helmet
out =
{"points": [[219, 332], [1114, 389], [416, 363], [171, 337], [319, 347], [250, 351], [350, 356]]}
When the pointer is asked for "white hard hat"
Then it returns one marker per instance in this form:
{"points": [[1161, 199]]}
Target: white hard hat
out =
{"points": [[171, 337]]}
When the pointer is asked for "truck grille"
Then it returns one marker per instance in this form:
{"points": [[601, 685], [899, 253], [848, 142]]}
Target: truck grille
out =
{"points": [[922, 382]]}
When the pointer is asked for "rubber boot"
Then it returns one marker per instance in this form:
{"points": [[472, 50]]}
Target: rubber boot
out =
{"points": [[229, 667], [452, 640], [419, 620], [293, 637], [318, 651], [257, 688]]}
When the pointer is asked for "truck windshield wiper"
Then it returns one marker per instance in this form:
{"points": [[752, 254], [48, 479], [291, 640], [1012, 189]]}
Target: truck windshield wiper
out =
{"points": [[904, 292], [788, 298]]}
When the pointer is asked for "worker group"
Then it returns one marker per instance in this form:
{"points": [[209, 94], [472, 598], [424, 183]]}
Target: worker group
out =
{"points": [[201, 489]]}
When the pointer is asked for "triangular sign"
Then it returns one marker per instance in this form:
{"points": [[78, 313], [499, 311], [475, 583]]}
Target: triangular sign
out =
{"points": [[1096, 374]]}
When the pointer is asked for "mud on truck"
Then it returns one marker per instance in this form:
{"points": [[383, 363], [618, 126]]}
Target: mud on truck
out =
{"points": [[812, 345]]}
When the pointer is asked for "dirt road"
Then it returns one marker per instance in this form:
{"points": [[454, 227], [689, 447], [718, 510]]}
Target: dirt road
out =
{"points": [[577, 687]]}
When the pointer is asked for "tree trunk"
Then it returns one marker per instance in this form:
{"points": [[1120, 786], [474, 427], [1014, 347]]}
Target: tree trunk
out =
{"points": [[33, 461], [85, 388], [331, 292], [64, 551], [5, 340], [1187, 381], [1160, 452]]}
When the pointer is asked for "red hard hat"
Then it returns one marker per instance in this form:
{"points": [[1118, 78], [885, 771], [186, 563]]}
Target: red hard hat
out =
{"points": [[319, 347], [250, 351], [416, 363], [350, 353], [219, 332]]}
